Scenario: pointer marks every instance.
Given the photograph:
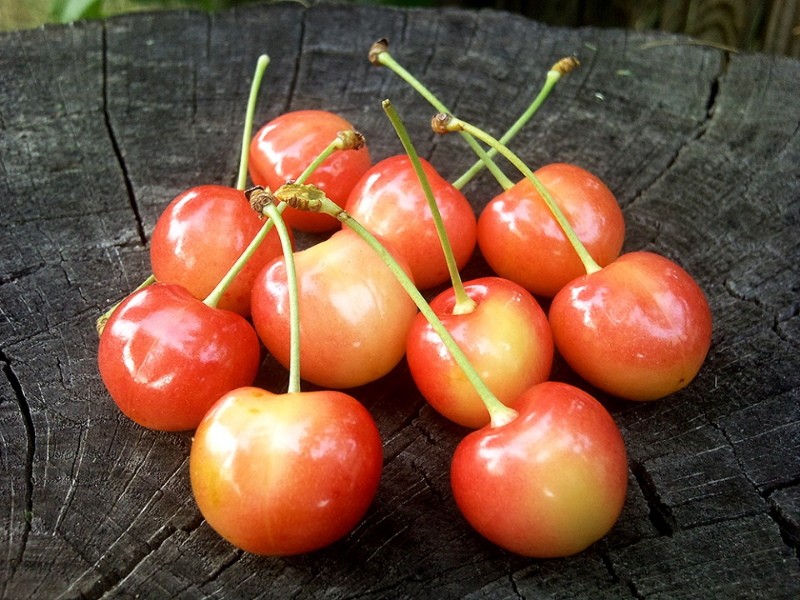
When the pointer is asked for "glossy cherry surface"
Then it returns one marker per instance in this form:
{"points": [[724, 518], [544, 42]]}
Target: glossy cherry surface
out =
{"points": [[283, 474], [165, 357], [201, 234], [389, 201], [522, 241], [639, 329], [283, 148], [506, 338], [354, 315], [549, 483]]}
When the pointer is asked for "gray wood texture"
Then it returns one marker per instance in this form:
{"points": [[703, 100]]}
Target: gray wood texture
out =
{"points": [[101, 124]]}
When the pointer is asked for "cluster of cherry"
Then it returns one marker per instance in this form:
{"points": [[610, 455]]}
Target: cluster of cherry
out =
{"points": [[545, 471]]}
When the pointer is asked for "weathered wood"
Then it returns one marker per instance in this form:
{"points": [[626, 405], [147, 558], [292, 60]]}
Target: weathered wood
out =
{"points": [[101, 124]]}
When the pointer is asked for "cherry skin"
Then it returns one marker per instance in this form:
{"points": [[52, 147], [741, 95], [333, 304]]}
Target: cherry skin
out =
{"points": [[639, 328], [284, 474], [506, 338], [165, 357], [390, 203], [354, 315], [549, 483], [521, 240], [283, 148], [201, 234]]}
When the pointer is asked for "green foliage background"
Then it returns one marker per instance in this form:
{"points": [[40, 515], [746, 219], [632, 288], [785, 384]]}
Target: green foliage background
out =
{"points": [[758, 25]]}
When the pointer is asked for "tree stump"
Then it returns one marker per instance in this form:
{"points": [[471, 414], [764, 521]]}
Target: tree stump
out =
{"points": [[103, 123]]}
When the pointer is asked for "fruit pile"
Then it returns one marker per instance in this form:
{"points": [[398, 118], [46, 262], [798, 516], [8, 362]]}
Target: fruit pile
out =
{"points": [[544, 471]]}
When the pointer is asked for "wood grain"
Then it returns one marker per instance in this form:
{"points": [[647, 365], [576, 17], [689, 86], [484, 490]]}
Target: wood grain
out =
{"points": [[101, 124]]}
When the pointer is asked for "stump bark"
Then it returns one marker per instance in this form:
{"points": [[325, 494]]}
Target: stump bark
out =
{"points": [[103, 123]]}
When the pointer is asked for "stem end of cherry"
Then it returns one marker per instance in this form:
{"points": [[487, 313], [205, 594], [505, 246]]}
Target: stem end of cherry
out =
{"points": [[375, 51], [444, 123], [259, 197], [351, 139], [566, 65]]}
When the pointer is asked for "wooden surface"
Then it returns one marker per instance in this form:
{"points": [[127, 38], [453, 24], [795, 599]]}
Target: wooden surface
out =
{"points": [[102, 124]]}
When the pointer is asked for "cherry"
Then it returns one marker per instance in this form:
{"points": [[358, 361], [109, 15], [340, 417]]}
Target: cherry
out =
{"points": [[505, 336], [390, 202], [200, 235], [283, 148], [550, 482], [519, 223], [354, 315], [165, 357], [639, 329], [282, 474]]}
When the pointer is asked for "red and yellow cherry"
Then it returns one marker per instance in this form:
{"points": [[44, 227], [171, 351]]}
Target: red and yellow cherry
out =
{"points": [[354, 314], [549, 483], [165, 357], [522, 241], [639, 328], [284, 474], [283, 148], [201, 234], [506, 338], [389, 201]]}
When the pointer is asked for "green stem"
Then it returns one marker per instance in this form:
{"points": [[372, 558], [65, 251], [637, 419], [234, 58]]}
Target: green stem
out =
{"points": [[499, 413], [562, 67], [261, 66], [464, 304], [294, 303], [445, 123], [379, 55], [344, 140]]}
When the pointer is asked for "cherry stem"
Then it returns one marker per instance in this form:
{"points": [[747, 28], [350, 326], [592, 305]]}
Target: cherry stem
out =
{"points": [[294, 302], [562, 67], [100, 324], [464, 304], [379, 55], [261, 66], [311, 198], [445, 123], [347, 139]]}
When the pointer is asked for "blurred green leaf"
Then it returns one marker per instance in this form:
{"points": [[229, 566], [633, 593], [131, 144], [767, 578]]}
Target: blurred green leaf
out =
{"points": [[65, 11]]}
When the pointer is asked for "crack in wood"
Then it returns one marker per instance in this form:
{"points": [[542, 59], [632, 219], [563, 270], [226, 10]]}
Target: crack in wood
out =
{"points": [[660, 513], [295, 77], [30, 450], [115, 145]]}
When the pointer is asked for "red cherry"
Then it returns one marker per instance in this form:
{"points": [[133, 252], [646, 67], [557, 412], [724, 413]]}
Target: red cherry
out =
{"points": [[201, 234], [639, 328], [522, 241], [283, 148], [549, 483], [354, 315], [389, 202], [506, 338], [166, 357], [285, 474]]}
